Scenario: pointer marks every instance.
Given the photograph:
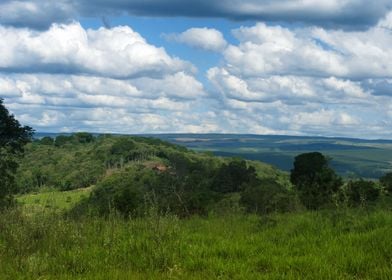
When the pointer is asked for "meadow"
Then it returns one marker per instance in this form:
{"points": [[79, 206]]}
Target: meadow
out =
{"points": [[327, 244]]}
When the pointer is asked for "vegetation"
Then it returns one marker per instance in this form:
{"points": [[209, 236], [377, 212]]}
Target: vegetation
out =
{"points": [[350, 158], [386, 182], [13, 137], [120, 207], [342, 244], [131, 173], [314, 180]]}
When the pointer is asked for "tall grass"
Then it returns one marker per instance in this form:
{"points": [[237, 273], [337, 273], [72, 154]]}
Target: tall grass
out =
{"points": [[349, 244]]}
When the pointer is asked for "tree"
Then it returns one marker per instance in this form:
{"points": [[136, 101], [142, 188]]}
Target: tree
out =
{"points": [[47, 140], [314, 180], [13, 137], [61, 140], [84, 137], [230, 177], [361, 192], [266, 196], [386, 182]]}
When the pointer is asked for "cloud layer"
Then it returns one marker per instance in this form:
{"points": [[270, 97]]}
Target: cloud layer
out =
{"points": [[72, 78], [309, 79], [273, 78], [350, 14]]}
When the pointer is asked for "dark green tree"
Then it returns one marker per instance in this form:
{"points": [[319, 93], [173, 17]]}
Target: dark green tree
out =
{"points": [[61, 140], [47, 140], [266, 196], [84, 137], [13, 137], [386, 182], [314, 180], [361, 192], [230, 177]]}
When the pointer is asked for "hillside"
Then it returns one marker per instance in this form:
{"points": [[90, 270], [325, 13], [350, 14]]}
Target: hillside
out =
{"points": [[127, 207], [135, 173], [350, 157]]}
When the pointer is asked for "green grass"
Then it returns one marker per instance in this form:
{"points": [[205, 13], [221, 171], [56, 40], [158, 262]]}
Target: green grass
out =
{"points": [[51, 200], [350, 244]]}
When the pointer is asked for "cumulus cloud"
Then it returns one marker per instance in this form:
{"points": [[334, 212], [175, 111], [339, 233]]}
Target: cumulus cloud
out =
{"points": [[68, 78], [51, 102], [119, 52], [307, 80], [275, 50], [275, 80], [332, 13], [208, 39], [87, 91], [288, 89]]}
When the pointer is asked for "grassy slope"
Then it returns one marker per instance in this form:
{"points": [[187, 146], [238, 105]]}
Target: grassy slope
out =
{"points": [[353, 244], [51, 200]]}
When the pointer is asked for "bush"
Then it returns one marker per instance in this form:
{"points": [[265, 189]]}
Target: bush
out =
{"points": [[230, 177], [47, 141], [386, 182], [361, 192], [122, 192], [61, 140], [266, 196]]}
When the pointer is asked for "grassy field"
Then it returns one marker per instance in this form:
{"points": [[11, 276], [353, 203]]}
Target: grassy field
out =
{"points": [[333, 244], [51, 200]]}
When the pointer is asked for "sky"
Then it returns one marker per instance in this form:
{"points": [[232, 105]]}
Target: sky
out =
{"points": [[287, 67]]}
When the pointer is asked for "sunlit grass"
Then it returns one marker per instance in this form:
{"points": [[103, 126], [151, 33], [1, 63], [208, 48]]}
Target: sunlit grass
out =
{"points": [[350, 244], [51, 200]]}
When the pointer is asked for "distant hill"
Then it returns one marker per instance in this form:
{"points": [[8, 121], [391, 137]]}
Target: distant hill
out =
{"points": [[350, 157]]}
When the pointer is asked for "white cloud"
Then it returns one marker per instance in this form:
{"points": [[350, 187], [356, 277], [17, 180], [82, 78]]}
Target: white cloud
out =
{"points": [[86, 91], [119, 52], [276, 80], [307, 80], [323, 118], [275, 50], [287, 89], [208, 39]]}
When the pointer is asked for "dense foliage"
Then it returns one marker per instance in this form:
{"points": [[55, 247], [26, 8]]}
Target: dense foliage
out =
{"points": [[132, 174], [13, 137], [386, 182], [135, 174], [314, 180]]}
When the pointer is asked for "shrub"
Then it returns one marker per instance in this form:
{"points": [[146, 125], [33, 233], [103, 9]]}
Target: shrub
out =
{"points": [[361, 192], [386, 182], [266, 196]]}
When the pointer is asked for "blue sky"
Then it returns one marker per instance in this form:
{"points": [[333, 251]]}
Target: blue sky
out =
{"points": [[264, 67]]}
